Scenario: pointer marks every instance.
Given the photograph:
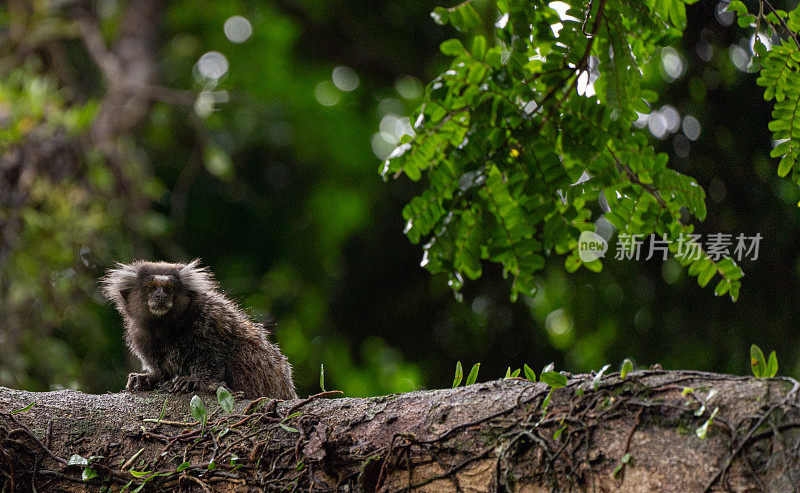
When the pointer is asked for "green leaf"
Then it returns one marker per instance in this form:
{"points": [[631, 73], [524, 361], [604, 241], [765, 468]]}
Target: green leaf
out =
{"points": [[772, 366], [473, 374], [546, 402], [198, 409], [88, 473], [288, 428], [77, 460], [711, 394], [464, 17], [459, 375], [625, 460], [163, 410], [452, 47], [225, 399], [477, 72], [649, 95], [627, 367], [702, 431], [781, 149], [478, 47], [553, 379], [139, 474], [511, 374], [746, 20], [572, 263], [440, 15], [599, 376], [757, 362], [529, 373], [738, 7], [706, 274], [734, 291], [759, 48], [26, 408], [494, 57], [293, 415], [722, 287], [183, 466], [786, 164]]}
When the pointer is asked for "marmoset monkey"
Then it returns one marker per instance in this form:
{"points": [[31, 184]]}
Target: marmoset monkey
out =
{"points": [[187, 333]]}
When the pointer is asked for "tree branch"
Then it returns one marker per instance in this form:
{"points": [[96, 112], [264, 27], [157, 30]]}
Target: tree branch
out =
{"points": [[130, 67], [483, 437]]}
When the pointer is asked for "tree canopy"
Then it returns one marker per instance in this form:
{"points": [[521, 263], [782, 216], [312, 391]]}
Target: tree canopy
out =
{"points": [[521, 163]]}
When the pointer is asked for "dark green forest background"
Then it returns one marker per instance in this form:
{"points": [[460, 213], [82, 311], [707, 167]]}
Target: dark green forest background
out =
{"points": [[261, 156]]}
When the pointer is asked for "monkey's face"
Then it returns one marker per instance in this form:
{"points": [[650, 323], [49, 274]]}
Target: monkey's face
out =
{"points": [[161, 293]]}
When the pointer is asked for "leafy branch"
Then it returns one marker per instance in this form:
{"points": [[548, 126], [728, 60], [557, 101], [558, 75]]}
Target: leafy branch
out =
{"points": [[520, 177]]}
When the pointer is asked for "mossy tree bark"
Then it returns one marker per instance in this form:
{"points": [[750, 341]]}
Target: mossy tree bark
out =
{"points": [[639, 434]]}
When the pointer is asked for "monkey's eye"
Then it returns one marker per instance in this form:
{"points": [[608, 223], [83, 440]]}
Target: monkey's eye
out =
{"points": [[169, 289], [151, 286]]}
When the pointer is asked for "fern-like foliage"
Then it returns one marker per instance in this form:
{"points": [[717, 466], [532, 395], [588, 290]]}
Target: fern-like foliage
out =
{"points": [[516, 160], [780, 77]]}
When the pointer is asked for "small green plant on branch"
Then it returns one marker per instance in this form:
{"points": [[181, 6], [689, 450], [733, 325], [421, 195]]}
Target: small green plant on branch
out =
{"points": [[761, 367], [518, 162], [627, 367], [472, 377]]}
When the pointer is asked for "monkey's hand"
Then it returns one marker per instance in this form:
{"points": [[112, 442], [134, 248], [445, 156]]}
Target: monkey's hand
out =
{"points": [[185, 383], [143, 381]]}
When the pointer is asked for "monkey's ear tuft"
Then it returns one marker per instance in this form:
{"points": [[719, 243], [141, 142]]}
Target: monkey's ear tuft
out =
{"points": [[119, 280], [196, 278]]}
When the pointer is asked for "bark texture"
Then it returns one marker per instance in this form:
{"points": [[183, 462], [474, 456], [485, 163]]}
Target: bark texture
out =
{"points": [[637, 434]]}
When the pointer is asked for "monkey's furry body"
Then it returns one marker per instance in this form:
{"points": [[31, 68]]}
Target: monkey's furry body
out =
{"points": [[188, 334]]}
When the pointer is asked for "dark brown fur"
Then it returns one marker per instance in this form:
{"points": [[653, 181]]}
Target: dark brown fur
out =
{"points": [[189, 336]]}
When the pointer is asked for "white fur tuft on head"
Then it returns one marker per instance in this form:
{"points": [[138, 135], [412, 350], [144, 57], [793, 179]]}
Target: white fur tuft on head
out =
{"points": [[121, 278], [195, 278]]}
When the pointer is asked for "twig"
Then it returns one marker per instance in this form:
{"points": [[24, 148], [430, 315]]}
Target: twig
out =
{"points": [[309, 399], [583, 63], [747, 437], [633, 178], [10, 463], [48, 433], [132, 459], [251, 407], [388, 457], [633, 429], [193, 479], [586, 19], [159, 436], [782, 22], [163, 452], [165, 422], [93, 40], [39, 442]]}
